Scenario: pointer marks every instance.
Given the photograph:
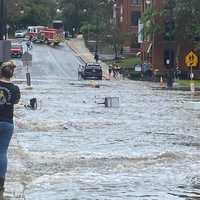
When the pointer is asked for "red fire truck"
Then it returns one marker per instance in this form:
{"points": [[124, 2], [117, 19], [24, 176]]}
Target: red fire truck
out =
{"points": [[47, 35], [33, 31], [50, 36]]}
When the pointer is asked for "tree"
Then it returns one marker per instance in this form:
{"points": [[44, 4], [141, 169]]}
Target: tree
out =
{"points": [[78, 13], [187, 18], [149, 22], [22, 13], [181, 22], [73, 12]]}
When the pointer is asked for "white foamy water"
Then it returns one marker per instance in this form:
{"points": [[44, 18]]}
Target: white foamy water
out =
{"points": [[73, 148]]}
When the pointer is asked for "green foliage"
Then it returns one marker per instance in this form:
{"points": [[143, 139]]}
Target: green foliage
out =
{"points": [[149, 22], [185, 15], [76, 13], [22, 13], [186, 83], [130, 62], [87, 28]]}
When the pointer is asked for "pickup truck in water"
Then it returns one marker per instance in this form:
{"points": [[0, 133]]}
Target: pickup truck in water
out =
{"points": [[91, 71]]}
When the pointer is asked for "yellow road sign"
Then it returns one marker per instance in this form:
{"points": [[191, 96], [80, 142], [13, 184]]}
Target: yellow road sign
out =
{"points": [[191, 59]]}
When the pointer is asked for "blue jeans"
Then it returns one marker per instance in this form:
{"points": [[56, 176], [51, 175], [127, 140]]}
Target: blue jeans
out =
{"points": [[6, 131]]}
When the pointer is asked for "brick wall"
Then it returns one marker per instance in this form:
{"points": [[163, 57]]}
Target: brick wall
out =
{"points": [[125, 8]]}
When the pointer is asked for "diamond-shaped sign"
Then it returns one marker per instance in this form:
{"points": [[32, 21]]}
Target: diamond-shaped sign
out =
{"points": [[191, 59]]}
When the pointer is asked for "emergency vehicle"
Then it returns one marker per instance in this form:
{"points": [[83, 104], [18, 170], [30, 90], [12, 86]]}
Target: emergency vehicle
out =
{"points": [[33, 31], [50, 36], [47, 35]]}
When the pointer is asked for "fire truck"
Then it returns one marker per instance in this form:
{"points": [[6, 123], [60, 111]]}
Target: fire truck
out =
{"points": [[33, 31], [47, 35]]}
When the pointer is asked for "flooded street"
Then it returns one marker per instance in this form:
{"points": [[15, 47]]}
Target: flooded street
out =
{"points": [[73, 148]]}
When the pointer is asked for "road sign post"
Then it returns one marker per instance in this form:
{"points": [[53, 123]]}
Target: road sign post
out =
{"points": [[28, 79], [27, 61], [191, 60]]}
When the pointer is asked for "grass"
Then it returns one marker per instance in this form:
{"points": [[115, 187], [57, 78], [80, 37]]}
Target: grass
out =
{"points": [[186, 83], [129, 62], [106, 49]]}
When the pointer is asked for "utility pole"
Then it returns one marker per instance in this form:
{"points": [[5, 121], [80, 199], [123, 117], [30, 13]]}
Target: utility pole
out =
{"points": [[2, 19], [96, 55], [5, 45], [170, 78]]}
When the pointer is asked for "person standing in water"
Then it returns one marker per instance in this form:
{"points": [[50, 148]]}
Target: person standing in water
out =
{"points": [[9, 95]]}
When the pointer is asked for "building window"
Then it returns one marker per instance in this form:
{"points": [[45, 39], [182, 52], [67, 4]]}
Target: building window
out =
{"points": [[135, 16], [136, 1]]}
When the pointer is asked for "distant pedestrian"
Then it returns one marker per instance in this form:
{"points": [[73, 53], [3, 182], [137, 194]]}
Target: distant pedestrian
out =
{"points": [[9, 95], [96, 56], [110, 67], [177, 73], [29, 45], [118, 69], [115, 71]]}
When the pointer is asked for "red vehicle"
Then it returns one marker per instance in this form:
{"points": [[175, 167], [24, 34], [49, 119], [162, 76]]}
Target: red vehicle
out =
{"points": [[47, 35], [33, 31], [16, 50], [50, 36]]}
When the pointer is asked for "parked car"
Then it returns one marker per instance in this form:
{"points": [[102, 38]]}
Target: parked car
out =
{"points": [[20, 34], [16, 50], [90, 71]]}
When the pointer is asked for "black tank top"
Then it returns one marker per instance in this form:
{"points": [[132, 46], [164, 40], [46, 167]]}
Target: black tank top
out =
{"points": [[9, 95]]}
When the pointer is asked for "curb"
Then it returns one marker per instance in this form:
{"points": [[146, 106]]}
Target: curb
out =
{"points": [[75, 52]]}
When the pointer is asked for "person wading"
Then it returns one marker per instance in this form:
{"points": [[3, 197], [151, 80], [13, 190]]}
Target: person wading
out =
{"points": [[9, 95]]}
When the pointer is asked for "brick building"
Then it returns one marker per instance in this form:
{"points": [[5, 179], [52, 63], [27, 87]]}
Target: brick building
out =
{"points": [[128, 13], [161, 51], [158, 50]]}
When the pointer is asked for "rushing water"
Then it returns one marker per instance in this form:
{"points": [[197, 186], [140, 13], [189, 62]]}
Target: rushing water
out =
{"points": [[73, 148]]}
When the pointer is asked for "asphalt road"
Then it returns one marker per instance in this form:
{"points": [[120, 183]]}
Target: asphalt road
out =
{"points": [[51, 63]]}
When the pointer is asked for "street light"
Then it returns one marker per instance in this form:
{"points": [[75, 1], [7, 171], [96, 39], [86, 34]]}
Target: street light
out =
{"points": [[170, 46], [115, 13], [148, 2], [73, 32], [86, 13], [21, 12], [58, 11], [96, 56]]}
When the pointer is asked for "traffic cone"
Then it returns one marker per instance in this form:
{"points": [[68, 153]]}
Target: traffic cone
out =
{"points": [[161, 82]]}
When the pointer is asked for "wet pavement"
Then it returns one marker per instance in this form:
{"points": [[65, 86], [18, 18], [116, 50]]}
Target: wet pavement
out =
{"points": [[72, 148]]}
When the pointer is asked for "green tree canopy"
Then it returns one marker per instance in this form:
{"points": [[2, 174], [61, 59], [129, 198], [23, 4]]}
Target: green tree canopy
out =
{"points": [[22, 13], [184, 14], [80, 12]]}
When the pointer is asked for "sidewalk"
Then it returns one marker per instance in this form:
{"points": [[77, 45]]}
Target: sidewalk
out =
{"points": [[78, 46]]}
